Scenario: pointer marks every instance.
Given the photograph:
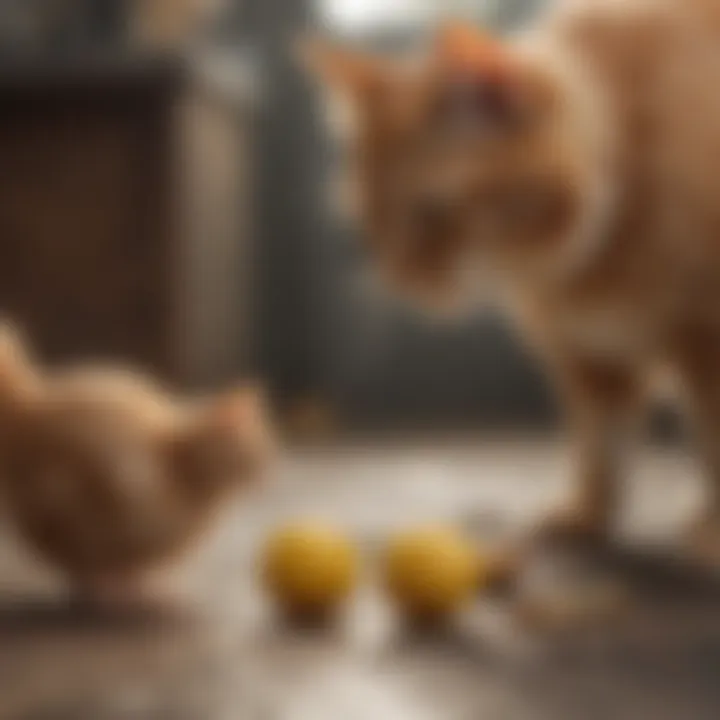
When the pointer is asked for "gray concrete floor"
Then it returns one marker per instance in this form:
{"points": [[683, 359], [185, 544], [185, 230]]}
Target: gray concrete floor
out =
{"points": [[229, 659]]}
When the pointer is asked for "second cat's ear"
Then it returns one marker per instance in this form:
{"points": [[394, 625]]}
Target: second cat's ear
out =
{"points": [[229, 430], [222, 442]]}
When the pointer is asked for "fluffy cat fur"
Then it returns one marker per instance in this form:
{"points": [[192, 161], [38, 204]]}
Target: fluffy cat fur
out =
{"points": [[108, 477], [574, 166]]}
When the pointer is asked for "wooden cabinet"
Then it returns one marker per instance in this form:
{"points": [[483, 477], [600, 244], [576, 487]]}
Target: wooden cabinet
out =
{"points": [[124, 227]]}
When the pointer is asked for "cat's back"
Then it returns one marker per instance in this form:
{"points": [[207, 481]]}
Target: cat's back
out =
{"points": [[88, 484], [657, 64], [620, 15], [634, 37]]}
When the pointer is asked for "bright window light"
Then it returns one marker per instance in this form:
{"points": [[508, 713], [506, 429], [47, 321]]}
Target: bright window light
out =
{"points": [[363, 15]]}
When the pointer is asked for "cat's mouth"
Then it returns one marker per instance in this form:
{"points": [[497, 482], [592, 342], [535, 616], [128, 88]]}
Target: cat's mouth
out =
{"points": [[452, 290], [438, 297]]}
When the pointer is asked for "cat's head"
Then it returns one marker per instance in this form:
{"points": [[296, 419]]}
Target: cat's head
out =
{"points": [[464, 164], [225, 442]]}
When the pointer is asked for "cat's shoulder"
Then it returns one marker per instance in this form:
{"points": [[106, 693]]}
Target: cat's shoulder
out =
{"points": [[605, 22], [632, 19]]}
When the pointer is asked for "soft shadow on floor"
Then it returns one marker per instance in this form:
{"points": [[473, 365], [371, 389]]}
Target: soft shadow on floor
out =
{"points": [[26, 617], [658, 659]]}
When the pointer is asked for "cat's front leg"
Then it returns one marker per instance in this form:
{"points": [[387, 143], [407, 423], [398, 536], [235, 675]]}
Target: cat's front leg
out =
{"points": [[601, 399]]}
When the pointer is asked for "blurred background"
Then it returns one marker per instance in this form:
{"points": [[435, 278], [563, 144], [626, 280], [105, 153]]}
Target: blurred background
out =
{"points": [[163, 200]]}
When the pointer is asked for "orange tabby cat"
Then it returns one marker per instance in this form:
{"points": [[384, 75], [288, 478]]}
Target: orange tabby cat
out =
{"points": [[108, 477], [574, 166]]}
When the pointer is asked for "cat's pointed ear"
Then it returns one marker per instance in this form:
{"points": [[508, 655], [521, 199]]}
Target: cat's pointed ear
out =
{"points": [[483, 83], [341, 69], [233, 424], [457, 42], [221, 442]]}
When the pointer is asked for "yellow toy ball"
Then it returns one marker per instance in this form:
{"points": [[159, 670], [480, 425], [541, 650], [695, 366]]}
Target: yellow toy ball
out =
{"points": [[309, 568], [431, 572]]}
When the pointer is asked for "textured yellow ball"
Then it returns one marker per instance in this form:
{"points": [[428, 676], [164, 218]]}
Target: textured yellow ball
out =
{"points": [[309, 568], [431, 572]]}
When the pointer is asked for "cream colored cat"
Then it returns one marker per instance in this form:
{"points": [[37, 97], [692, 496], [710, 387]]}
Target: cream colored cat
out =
{"points": [[577, 166], [108, 477]]}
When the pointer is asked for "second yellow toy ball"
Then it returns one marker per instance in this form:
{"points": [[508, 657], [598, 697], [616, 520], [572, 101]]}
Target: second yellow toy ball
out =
{"points": [[309, 568], [431, 572]]}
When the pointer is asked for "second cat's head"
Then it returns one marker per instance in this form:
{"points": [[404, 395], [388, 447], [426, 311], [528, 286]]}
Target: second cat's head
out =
{"points": [[226, 440], [462, 165]]}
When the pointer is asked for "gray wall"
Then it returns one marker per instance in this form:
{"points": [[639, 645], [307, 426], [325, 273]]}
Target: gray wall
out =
{"points": [[377, 361]]}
